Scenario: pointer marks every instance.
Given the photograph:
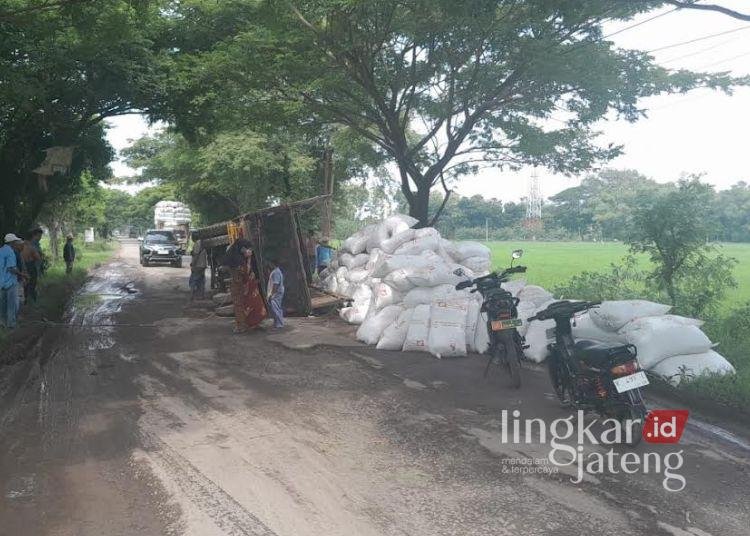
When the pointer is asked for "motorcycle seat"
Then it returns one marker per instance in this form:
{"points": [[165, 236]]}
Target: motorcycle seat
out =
{"points": [[598, 354]]}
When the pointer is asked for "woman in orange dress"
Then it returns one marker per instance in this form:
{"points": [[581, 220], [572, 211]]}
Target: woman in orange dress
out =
{"points": [[249, 307]]}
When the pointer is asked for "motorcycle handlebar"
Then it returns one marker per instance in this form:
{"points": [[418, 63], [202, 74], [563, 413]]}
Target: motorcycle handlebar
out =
{"points": [[574, 307]]}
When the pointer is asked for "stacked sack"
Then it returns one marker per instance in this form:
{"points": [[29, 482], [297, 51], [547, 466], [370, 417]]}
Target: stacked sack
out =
{"points": [[402, 284], [171, 213], [670, 346]]}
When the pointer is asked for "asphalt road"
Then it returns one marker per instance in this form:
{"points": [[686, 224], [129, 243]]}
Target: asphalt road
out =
{"points": [[144, 415]]}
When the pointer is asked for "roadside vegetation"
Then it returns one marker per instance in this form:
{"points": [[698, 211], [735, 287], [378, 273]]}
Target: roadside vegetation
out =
{"points": [[56, 287]]}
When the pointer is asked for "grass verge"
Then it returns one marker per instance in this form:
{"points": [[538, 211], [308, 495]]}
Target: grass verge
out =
{"points": [[56, 287]]}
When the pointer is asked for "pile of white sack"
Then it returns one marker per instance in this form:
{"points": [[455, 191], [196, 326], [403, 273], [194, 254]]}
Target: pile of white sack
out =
{"points": [[402, 284], [670, 346], [171, 213]]}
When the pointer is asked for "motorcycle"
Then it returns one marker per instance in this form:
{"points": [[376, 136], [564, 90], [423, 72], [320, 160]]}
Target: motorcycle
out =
{"points": [[594, 376], [506, 344]]}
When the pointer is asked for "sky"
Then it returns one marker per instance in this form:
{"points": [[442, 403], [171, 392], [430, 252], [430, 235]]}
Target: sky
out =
{"points": [[703, 132]]}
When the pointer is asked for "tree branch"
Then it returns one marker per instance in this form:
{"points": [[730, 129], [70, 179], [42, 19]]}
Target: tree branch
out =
{"points": [[709, 7]]}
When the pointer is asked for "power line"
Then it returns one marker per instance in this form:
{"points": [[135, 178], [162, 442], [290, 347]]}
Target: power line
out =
{"points": [[701, 51], [639, 23], [711, 36], [714, 64]]}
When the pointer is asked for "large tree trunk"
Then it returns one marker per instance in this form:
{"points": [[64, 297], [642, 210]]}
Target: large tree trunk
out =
{"points": [[419, 206]]}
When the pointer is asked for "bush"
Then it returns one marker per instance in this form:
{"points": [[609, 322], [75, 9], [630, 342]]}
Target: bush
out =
{"points": [[623, 281]]}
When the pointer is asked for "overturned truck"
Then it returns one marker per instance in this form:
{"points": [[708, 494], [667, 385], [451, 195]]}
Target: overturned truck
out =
{"points": [[274, 232]]}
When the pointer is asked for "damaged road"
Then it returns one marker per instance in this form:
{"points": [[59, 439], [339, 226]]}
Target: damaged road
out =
{"points": [[167, 424]]}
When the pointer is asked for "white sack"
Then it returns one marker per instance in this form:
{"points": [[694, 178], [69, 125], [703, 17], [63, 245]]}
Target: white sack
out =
{"points": [[357, 243], [394, 335], [657, 341], [449, 248], [471, 249], [665, 320], [478, 265], [424, 240], [472, 320], [353, 261], [515, 286], [438, 273], [447, 337], [374, 325], [612, 315], [362, 301], [390, 264], [585, 328], [399, 280], [535, 294], [331, 284], [376, 256], [392, 244], [419, 329], [425, 295], [358, 275], [536, 337], [677, 368], [384, 295], [525, 311]]}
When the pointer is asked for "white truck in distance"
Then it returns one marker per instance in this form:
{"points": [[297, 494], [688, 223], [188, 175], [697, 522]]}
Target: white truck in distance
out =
{"points": [[173, 216]]}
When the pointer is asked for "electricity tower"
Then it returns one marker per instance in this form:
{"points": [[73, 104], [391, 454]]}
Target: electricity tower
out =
{"points": [[533, 221]]}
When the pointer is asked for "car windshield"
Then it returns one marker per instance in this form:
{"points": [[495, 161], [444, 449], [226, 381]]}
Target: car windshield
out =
{"points": [[159, 238]]}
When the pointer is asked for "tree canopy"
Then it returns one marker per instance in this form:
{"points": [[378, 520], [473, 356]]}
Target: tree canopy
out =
{"points": [[440, 87]]}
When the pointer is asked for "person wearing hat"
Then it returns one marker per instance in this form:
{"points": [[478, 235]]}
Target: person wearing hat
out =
{"points": [[324, 254], [69, 254], [9, 274]]}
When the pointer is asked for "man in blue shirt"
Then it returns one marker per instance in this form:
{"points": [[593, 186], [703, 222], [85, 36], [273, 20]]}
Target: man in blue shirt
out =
{"points": [[324, 255], [9, 273]]}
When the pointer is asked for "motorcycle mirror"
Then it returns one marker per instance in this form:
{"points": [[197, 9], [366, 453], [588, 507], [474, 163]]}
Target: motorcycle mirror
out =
{"points": [[517, 253]]}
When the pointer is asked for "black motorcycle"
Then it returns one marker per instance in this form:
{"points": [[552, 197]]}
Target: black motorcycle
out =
{"points": [[506, 344], [596, 376]]}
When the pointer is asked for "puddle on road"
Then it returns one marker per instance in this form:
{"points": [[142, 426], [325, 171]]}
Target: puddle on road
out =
{"points": [[21, 487], [95, 305]]}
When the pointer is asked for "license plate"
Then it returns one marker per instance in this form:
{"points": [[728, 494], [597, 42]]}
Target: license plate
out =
{"points": [[499, 325], [626, 383], [551, 334]]}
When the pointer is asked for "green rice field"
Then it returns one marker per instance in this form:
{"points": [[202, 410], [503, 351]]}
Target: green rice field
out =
{"points": [[553, 263]]}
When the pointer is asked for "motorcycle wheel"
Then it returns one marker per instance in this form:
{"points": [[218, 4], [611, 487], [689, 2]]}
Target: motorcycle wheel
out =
{"points": [[510, 359], [557, 377], [634, 411]]}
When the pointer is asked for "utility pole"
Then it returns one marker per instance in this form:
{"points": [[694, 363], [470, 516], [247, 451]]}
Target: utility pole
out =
{"points": [[326, 223], [486, 229]]}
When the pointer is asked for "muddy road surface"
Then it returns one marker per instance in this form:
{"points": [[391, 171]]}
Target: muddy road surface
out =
{"points": [[144, 415]]}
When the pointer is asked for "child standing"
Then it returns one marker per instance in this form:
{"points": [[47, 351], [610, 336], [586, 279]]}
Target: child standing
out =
{"points": [[276, 293]]}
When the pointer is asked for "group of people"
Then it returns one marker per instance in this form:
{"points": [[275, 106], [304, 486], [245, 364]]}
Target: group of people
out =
{"points": [[250, 309], [21, 266]]}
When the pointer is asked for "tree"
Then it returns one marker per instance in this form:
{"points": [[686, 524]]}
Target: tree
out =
{"points": [[571, 210], [64, 67], [672, 227], [732, 208], [441, 86]]}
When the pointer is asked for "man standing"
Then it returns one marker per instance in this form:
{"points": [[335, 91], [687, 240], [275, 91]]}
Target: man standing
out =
{"points": [[324, 254], [69, 254], [198, 264], [276, 293], [310, 253], [9, 273], [34, 267]]}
